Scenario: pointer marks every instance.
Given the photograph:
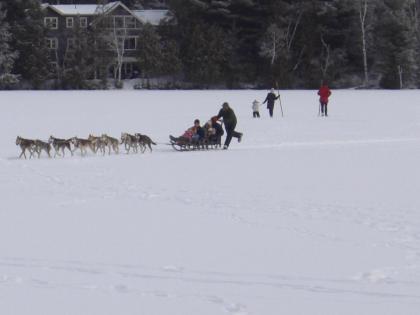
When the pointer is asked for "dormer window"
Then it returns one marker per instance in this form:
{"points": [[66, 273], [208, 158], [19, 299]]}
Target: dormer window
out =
{"points": [[69, 22], [51, 23]]}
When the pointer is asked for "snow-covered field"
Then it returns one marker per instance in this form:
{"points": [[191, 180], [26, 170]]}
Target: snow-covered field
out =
{"points": [[308, 215]]}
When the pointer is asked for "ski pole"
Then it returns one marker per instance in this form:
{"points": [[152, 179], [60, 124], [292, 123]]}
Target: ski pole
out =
{"points": [[281, 107], [278, 93]]}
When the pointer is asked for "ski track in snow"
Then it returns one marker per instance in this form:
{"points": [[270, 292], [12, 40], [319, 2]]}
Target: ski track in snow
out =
{"points": [[128, 280], [407, 238]]}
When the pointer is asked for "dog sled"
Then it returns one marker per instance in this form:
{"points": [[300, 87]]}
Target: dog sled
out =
{"points": [[185, 144]]}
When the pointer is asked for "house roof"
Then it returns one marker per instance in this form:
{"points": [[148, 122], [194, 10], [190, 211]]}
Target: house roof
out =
{"points": [[83, 9], [153, 17]]}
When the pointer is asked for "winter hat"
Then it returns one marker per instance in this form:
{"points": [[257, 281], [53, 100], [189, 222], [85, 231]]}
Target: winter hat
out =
{"points": [[225, 104]]}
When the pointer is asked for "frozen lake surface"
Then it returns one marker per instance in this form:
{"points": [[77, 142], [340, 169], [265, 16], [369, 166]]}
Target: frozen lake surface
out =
{"points": [[307, 215]]}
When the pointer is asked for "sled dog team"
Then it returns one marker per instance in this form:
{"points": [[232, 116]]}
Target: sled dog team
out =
{"points": [[135, 143]]}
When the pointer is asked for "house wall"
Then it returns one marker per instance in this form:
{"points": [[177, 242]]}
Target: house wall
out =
{"points": [[63, 33]]}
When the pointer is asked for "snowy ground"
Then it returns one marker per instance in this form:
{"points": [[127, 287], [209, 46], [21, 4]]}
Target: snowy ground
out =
{"points": [[308, 215]]}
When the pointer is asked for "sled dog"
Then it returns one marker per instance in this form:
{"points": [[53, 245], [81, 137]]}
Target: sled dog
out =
{"points": [[97, 143], [25, 144], [144, 141], [60, 144], [110, 142], [40, 145], [129, 142], [82, 145]]}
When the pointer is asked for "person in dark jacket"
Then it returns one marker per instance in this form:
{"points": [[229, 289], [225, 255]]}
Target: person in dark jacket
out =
{"points": [[218, 131], [324, 93], [199, 132], [229, 120], [270, 100]]}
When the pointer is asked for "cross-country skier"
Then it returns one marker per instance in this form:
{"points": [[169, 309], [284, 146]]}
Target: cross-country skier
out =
{"points": [[324, 93], [270, 99]]}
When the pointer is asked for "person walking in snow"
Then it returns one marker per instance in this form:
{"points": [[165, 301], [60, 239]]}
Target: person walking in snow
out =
{"points": [[270, 99], [324, 93], [229, 120], [256, 109]]}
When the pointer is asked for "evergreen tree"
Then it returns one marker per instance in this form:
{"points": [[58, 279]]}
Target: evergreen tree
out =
{"points": [[395, 45], [149, 51], [78, 65], [171, 62], [26, 20], [7, 56], [206, 55]]}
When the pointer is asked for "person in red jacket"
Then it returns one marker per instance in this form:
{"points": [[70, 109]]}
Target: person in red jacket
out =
{"points": [[324, 93]]}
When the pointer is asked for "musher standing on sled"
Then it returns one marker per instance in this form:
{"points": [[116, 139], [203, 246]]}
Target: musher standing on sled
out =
{"points": [[229, 120], [324, 92], [270, 99]]}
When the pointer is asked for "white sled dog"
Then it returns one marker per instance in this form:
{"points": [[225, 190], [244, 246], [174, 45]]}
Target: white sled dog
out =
{"points": [[97, 144], [110, 142], [82, 145], [129, 142]]}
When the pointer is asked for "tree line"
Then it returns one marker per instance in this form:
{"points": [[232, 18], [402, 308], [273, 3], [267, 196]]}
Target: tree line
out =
{"points": [[232, 44]]}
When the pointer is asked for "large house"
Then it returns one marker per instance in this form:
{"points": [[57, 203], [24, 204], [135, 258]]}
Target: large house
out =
{"points": [[121, 22]]}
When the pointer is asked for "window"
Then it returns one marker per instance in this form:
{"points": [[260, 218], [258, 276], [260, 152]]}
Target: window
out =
{"points": [[83, 22], [69, 22], [130, 22], [53, 67], [107, 22], [119, 22], [51, 22], [128, 70], [71, 43], [130, 43], [52, 43]]}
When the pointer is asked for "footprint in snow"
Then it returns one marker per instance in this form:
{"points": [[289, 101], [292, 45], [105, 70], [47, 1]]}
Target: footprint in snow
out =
{"points": [[236, 309], [374, 276], [171, 268], [121, 288]]}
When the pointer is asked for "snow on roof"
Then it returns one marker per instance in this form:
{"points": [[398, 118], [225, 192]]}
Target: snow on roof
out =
{"points": [[153, 17], [82, 9]]}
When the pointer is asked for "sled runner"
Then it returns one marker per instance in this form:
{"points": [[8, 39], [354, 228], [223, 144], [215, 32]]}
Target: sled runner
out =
{"points": [[185, 144]]}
